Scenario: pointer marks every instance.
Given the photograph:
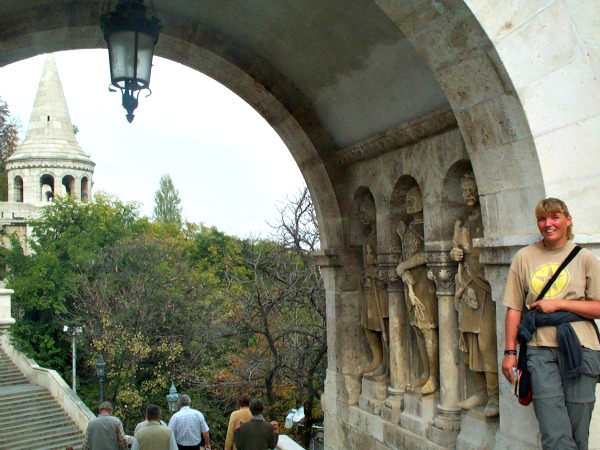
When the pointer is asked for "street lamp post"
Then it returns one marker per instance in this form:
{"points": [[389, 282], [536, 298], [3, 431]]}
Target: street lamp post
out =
{"points": [[101, 374], [73, 331], [172, 399]]}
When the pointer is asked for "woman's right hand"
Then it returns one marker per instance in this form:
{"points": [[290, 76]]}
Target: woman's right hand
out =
{"points": [[508, 364]]}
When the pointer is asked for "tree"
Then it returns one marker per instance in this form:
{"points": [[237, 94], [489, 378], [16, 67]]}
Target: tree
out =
{"points": [[9, 140], [66, 238], [134, 310], [278, 325], [166, 203]]}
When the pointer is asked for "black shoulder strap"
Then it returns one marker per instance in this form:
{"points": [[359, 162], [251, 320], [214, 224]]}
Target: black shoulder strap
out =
{"points": [[564, 264]]}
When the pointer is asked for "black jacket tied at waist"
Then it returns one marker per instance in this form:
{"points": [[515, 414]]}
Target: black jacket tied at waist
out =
{"points": [[568, 342]]}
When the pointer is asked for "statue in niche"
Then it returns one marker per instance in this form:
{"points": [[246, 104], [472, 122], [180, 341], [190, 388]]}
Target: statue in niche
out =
{"points": [[375, 314], [419, 292], [476, 309]]}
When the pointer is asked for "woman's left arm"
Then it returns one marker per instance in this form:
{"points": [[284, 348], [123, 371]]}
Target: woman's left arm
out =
{"points": [[586, 308]]}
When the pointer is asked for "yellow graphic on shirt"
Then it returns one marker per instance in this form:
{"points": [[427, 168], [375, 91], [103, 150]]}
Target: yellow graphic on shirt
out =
{"points": [[542, 275]]}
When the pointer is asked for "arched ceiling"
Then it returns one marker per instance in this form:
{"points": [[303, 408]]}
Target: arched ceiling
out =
{"points": [[355, 70]]}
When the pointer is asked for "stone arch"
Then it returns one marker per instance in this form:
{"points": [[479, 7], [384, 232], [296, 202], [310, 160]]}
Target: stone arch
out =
{"points": [[452, 205], [68, 183], [18, 189], [468, 47], [398, 208], [47, 188], [85, 189], [453, 43], [363, 202], [510, 104], [306, 140]]}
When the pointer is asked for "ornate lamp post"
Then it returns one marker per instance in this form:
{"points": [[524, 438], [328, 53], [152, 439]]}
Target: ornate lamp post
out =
{"points": [[172, 398], [101, 374], [131, 37]]}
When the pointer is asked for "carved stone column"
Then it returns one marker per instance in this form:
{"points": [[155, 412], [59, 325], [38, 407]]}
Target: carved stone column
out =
{"points": [[341, 271], [446, 425], [399, 333]]}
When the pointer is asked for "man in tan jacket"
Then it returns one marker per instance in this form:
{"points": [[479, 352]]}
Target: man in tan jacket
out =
{"points": [[244, 414]]}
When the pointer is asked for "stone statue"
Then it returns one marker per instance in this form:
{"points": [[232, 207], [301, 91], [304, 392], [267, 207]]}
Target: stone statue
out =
{"points": [[420, 293], [375, 314], [476, 309]]}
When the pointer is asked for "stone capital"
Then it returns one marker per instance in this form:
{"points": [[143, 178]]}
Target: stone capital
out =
{"points": [[442, 271]]}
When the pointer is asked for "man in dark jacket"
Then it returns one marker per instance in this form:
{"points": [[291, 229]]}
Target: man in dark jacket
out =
{"points": [[257, 434]]}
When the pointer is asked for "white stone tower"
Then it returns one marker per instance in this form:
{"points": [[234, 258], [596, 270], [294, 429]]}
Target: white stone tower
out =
{"points": [[49, 161]]}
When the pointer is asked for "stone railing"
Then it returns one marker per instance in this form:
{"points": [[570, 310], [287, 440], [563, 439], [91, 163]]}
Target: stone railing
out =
{"points": [[46, 378], [53, 382], [286, 443], [5, 320]]}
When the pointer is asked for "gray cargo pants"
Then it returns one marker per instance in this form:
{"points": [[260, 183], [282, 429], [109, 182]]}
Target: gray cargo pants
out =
{"points": [[563, 406]]}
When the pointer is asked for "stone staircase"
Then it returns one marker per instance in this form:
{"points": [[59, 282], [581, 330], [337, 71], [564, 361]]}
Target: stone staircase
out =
{"points": [[31, 418]]}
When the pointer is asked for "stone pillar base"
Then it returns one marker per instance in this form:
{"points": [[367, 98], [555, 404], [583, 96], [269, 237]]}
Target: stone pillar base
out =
{"points": [[445, 427], [372, 396], [392, 407], [477, 431], [418, 412]]}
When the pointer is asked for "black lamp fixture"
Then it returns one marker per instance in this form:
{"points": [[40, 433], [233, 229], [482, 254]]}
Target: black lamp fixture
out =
{"points": [[131, 36], [101, 374]]}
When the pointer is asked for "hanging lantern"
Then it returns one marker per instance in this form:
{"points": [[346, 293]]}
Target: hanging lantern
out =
{"points": [[131, 37]]}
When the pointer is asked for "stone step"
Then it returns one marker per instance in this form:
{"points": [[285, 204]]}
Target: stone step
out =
{"points": [[30, 418], [50, 440], [10, 374], [12, 378], [26, 398], [52, 417], [12, 382], [38, 427], [8, 415]]}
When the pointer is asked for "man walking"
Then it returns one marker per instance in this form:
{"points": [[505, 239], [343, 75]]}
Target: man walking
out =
{"points": [[237, 416], [154, 436], [256, 434], [189, 426], [105, 432]]}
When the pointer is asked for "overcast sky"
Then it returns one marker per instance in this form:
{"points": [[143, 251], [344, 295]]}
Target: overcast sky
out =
{"points": [[230, 167]]}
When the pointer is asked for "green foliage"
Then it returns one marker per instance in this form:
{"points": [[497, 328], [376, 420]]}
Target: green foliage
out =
{"points": [[166, 203], [9, 140], [165, 302], [67, 237]]}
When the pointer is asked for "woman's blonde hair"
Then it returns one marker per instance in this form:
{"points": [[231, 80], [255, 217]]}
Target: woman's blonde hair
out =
{"points": [[554, 205]]}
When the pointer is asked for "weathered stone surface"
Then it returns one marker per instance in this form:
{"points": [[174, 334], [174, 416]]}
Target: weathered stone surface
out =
{"points": [[352, 88], [533, 50]]}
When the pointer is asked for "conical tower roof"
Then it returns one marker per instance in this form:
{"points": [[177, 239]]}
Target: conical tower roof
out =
{"points": [[50, 139]]}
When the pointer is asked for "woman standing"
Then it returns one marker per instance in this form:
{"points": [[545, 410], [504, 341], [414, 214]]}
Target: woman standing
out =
{"points": [[563, 402]]}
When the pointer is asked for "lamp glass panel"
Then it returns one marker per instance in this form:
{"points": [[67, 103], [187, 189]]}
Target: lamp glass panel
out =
{"points": [[121, 46], [145, 53]]}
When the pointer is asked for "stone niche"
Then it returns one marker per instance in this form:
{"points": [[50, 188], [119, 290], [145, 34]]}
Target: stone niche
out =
{"points": [[405, 337]]}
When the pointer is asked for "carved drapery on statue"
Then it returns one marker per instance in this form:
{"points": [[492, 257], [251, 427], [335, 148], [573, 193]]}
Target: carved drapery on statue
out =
{"points": [[374, 317], [420, 295], [476, 309]]}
